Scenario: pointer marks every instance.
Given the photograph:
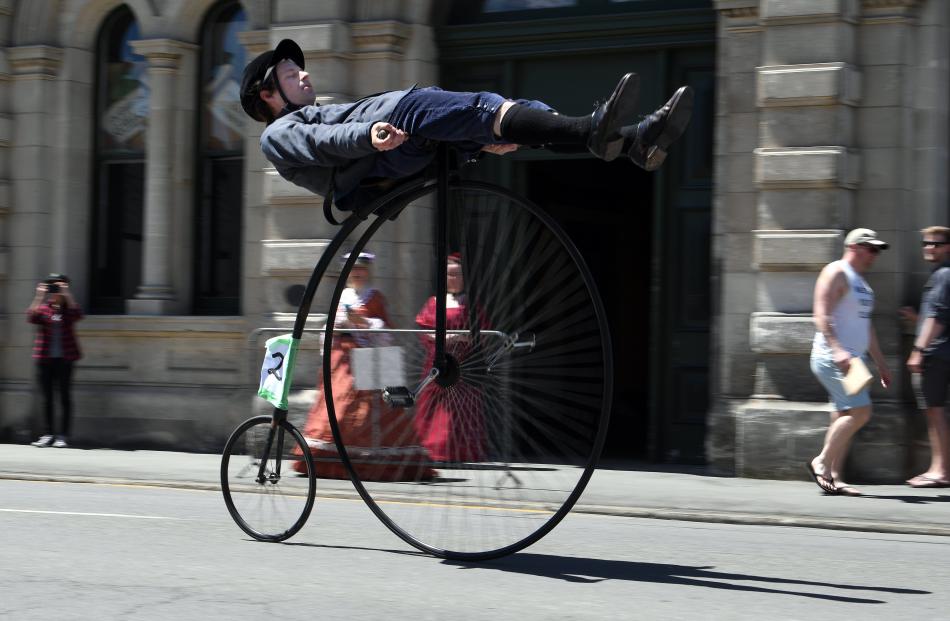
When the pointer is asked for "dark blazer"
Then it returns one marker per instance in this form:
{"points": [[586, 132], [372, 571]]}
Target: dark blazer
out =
{"points": [[305, 146]]}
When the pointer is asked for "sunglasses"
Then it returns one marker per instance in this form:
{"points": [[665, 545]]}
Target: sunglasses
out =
{"points": [[935, 244], [870, 248]]}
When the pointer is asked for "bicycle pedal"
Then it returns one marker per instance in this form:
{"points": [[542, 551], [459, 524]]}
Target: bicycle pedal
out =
{"points": [[398, 397]]}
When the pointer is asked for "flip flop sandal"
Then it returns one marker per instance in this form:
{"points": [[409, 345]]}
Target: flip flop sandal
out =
{"points": [[847, 490], [923, 481], [825, 483]]}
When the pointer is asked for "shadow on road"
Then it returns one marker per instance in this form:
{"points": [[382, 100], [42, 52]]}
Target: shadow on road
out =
{"points": [[588, 570], [913, 500], [330, 547]]}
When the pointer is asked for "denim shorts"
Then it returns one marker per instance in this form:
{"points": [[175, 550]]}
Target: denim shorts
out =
{"points": [[830, 376]]}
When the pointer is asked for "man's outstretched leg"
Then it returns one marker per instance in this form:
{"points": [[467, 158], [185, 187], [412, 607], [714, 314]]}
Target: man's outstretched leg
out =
{"points": [[600, 132], [490, 119], [645, 143]]}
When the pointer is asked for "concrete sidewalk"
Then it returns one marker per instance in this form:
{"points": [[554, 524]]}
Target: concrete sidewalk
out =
{"points": [[613, 491]]}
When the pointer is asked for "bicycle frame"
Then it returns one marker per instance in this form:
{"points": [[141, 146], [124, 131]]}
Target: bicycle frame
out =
{"points": [[278, 417], [441, 256]]}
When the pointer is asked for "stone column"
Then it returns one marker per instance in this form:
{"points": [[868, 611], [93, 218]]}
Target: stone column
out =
{"points": [[902, 129], [28, 196], [806, 170], [255, 203], [27, 241], [379, 54], [738, 49], [156, 295]]}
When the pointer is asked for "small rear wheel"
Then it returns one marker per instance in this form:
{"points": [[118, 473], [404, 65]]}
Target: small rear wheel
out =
{"points": [[268, 478]]}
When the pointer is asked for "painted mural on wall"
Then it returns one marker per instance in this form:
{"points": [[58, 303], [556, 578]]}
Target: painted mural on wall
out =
{"points": [[498, 6], [125, 110], [221, 98], [502, 6]]}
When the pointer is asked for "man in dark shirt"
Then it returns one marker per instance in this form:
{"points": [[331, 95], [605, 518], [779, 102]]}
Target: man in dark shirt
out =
{"points": [[332, 149], [930, 359]]}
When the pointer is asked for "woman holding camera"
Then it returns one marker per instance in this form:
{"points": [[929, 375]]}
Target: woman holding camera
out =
{"points": [[55, 311]]}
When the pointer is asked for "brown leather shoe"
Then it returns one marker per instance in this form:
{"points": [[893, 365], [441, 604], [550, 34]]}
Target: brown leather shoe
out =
{"points": [[605, 141], [659, 130]]}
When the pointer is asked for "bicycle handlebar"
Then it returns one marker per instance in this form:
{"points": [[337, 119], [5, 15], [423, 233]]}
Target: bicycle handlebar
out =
{"points": [[382, 134]]}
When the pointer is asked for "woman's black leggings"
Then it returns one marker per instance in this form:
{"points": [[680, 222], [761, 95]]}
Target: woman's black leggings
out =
{"points": [[57, 374]]}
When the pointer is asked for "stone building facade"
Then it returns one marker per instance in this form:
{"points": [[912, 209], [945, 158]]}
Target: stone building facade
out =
{"points": [[158, 371], [823, 115]]}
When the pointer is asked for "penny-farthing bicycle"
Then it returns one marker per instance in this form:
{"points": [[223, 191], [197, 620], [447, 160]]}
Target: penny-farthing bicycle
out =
{"points": [[493, 410]]}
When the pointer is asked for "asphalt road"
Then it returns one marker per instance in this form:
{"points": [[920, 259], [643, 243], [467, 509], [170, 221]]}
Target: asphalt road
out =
{"points": [[84, 551]]}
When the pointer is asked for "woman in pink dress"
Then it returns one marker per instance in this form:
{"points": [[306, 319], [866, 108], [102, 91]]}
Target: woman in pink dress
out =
{"points": [[449, 420]]}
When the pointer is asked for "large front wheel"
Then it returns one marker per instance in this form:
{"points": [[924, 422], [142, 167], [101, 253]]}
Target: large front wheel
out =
{"points": [[491, 454], [267, 478]]}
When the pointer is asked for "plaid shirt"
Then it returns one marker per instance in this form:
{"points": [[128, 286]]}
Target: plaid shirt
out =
{"points": [[43, 317]]}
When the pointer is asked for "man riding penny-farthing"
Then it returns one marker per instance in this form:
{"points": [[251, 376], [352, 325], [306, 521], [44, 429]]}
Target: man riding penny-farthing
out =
{"points": [[538, 363]]}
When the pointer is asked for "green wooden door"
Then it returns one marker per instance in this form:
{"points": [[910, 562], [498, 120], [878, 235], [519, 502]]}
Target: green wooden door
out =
{"points": [[682, 257]]}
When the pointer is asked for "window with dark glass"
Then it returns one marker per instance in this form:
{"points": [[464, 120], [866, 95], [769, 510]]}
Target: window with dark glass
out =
{"points": [[121, 118], [218, 208]]}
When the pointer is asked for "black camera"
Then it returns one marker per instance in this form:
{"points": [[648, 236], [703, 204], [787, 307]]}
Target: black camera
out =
{"points": [[53, 280]]}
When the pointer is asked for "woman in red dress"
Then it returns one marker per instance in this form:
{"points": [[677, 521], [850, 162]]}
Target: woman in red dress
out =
{"points": [[379, 439], [449, 420]]}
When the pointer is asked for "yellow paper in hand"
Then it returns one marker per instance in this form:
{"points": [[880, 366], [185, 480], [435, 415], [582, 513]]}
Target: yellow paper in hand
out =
{"points": [[857, 378]]}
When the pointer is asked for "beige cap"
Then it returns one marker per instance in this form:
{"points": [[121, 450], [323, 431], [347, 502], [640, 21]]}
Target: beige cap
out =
{"points": [[865, 236]]}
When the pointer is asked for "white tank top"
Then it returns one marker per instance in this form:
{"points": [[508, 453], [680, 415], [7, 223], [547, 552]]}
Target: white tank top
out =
{"points": [[851, 318]]}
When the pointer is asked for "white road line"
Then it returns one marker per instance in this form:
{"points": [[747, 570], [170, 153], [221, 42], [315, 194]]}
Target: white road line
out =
{"points": [[114, 515]]}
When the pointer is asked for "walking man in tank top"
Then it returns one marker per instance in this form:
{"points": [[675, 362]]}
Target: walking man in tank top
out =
{"points": [[843, 305]]}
